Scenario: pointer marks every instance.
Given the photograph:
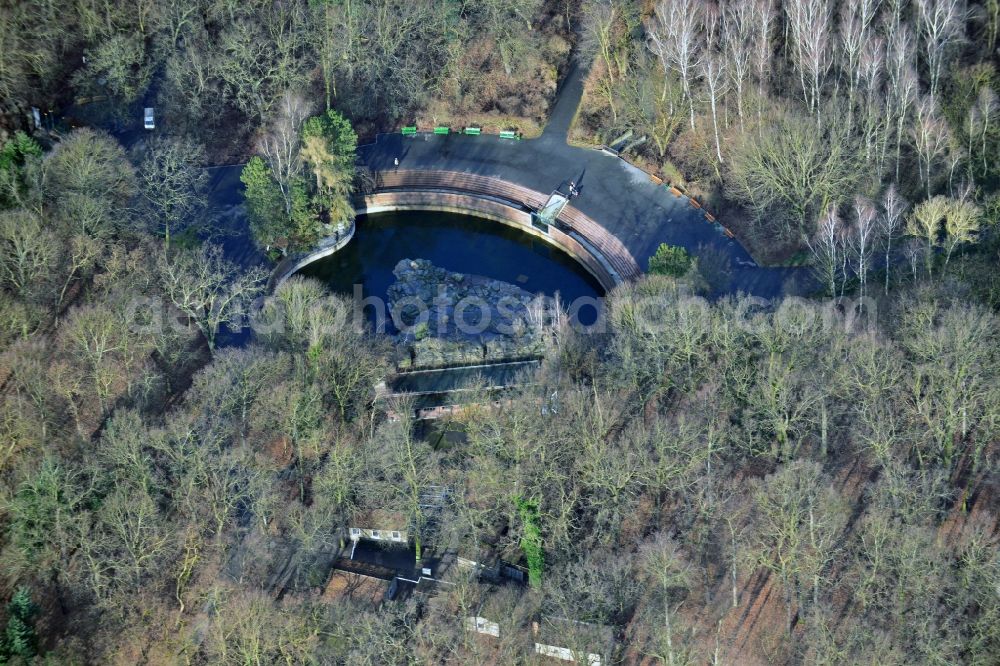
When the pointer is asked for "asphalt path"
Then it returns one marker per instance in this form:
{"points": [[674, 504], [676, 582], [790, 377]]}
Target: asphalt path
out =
{"points": [[615, 194]]}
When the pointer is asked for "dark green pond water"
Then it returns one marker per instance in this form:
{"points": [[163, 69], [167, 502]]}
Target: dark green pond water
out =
{"points": [[458, 243]]}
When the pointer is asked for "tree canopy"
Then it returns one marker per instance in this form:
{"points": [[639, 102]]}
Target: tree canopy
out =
{"points": [[301, 188]]}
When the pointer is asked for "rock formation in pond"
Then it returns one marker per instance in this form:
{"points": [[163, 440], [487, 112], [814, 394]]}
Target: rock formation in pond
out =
{"points": [[447, 318]]}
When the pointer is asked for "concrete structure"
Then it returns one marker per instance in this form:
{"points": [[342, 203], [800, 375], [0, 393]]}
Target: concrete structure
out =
{"points": [[573, 641], [548, 641], [394, 536], [627, 204], [616, 221], [583, 238], [481, 625], [565, 654], [598, 252], [288, 266], [618, 203]]}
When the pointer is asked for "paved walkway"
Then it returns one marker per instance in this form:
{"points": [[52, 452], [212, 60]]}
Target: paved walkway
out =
{"points": [[564, 111], [619, 196]]}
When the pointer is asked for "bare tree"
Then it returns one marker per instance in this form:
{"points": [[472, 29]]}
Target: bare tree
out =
{"points": [[855, 33], [925, 222], [863, 239], [826, 248], [790, 173], [733, 513], [281, 144], [798, 516], [411, 469], [987, 107], [507, 21], [713, 71], [337, 33], [872, 70], [28, 255], [971, 125], [605, 33], [607, 30], [810, 24], [173, 183], [209, 289], [941, 23], [912, 249], [130, 537], [738, 29], [659, 45], [890, 221], [930, 136], [952, 349], [296, 409], [961, 225], [676, 33], [98, 337], [902, 82], [956, 154], [665, 567], [257, 58], [764, 19], [894, 12]]}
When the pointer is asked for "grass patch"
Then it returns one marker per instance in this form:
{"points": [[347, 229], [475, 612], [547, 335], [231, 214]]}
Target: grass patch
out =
{"points": [[529, 128]]}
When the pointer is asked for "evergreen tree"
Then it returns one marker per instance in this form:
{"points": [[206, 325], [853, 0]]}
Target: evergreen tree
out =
{"points": [[265, 207], [328, 149], [670, 260], [13, 155], [336, 131], [19, 638], [531, 540], [304, 226]]}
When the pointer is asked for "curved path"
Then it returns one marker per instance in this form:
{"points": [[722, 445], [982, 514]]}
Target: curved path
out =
{"points": [[620, 197]]}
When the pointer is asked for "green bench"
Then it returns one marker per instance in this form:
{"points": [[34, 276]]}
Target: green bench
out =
{"points": [[409, 131], [442, 130], [510, 134], [474, 131]]}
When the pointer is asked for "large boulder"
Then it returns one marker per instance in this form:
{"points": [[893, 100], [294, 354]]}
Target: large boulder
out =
{"points": [[446, 318]]}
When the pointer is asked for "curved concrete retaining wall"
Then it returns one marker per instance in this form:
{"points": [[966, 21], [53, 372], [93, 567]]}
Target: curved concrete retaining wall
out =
{"points": [[290, 265], [503, 213], [597, 250], [598, 240]]}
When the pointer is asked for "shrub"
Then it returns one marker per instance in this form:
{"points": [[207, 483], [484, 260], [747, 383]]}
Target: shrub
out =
{"points": [[670, 260]]}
